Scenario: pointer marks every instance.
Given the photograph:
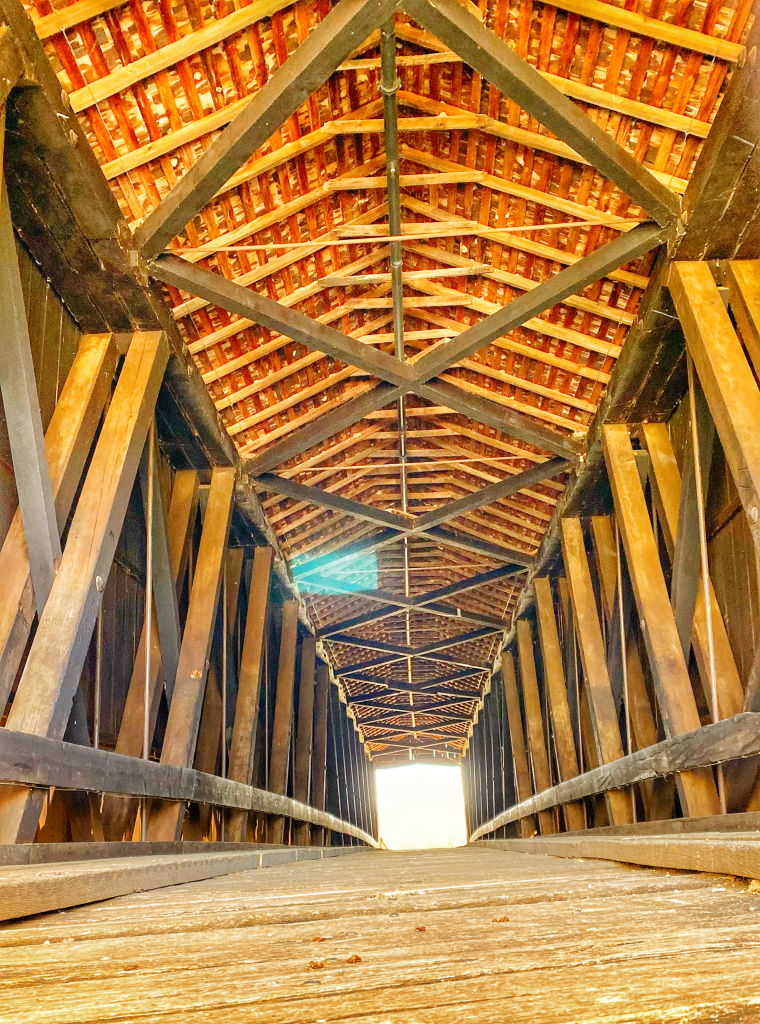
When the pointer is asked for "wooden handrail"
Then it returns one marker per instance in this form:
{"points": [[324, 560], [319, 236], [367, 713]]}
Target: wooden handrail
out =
{"points": [[726, 740], [40, 762]]}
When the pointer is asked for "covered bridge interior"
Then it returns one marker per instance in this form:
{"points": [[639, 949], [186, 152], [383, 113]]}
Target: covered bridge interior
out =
{"points": [[379, 386]]}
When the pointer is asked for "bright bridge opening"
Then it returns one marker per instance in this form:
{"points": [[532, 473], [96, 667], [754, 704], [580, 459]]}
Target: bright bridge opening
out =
{"points": [[421, 806]]}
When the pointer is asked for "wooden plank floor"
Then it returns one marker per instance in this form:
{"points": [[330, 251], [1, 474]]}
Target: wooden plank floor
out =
{"points": [[585, 941]]}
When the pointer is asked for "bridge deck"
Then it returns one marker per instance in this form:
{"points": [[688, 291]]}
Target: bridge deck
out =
{"points": [[584, 941]]}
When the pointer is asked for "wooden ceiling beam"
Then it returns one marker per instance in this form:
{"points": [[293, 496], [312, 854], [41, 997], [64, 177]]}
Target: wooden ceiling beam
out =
{"points": [[510, 133], [503, 68], [467, 266], [572, 279], [292, 83], [520, 243], [508, 345], [277, 317]]}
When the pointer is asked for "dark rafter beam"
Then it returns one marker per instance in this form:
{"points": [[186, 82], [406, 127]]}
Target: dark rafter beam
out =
{"points": [[357, 548], [569, 281], [415, 744], [375, 704], [448, 659], [395, 603], [451, 677], [486, 496], [450, 694], [279, 319], [500, 65], [400, 712], [440, 732], [491, 414], [401, 649], [324, 563], [465, 542], [322, 428], [388, 612], [426, 525], [493, 492], [346, 26], [334, 502]]}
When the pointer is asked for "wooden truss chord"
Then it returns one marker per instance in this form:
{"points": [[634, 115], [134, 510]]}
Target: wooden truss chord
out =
{"points": [[666, 489], [534, 721], [235, 298], [420, 525], [429, 602], [304, 731], [118, 813], [22, 416], [279, 761], [523, 780], [554, 678], [240, 766], [725, 375], [609, 746], [406, 377], [567, 282]]}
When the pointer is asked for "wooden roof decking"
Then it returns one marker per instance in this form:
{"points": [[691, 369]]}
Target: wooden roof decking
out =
{"points": [[302, 222]]}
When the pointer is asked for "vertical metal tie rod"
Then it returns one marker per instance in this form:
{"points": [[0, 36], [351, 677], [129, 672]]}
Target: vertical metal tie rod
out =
{"points": [[389, 86], [148, 613]]}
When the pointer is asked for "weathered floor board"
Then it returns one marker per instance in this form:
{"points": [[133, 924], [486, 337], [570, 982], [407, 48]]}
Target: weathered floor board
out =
{"points": [[585, 941]]}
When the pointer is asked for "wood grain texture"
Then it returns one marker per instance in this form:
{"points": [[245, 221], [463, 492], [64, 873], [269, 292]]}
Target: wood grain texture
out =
{"points": [[712, 744], [41, 762], [670, 673], [588, 942], [607, 743], [40, 888], [67, 444]]}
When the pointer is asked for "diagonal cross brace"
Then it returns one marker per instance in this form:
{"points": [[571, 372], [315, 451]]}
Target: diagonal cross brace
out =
{"points": [[417, 377], [346, 26], [393, 603]]}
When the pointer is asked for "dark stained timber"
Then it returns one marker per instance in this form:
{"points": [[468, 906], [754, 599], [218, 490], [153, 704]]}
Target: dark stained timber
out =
{"points": [[347, 25]]}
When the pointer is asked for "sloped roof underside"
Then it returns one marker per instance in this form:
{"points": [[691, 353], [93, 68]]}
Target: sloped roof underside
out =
{"points": [[483, 182]]}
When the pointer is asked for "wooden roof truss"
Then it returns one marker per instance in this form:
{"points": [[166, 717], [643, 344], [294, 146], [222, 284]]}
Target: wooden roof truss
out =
{"points": [[405, 278]]}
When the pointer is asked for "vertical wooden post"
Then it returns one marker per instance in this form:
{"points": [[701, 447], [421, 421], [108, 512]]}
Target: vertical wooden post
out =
{"points": [[304, 732], [608, 744], [283, 714], [567, 758], [319, 752], [249, 686], [207, 752], [523, 782], [676, 698], [334, 777], [54, 667], [349, 779], [534, 721], [166, 816]]}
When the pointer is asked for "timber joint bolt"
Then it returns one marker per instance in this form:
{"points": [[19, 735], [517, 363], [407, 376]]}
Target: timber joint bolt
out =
{"points": [[753, 514], [100, 584]]}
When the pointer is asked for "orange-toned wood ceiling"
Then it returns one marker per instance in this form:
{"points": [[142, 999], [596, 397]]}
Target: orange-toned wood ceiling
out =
{"points": [[154, 82]]}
